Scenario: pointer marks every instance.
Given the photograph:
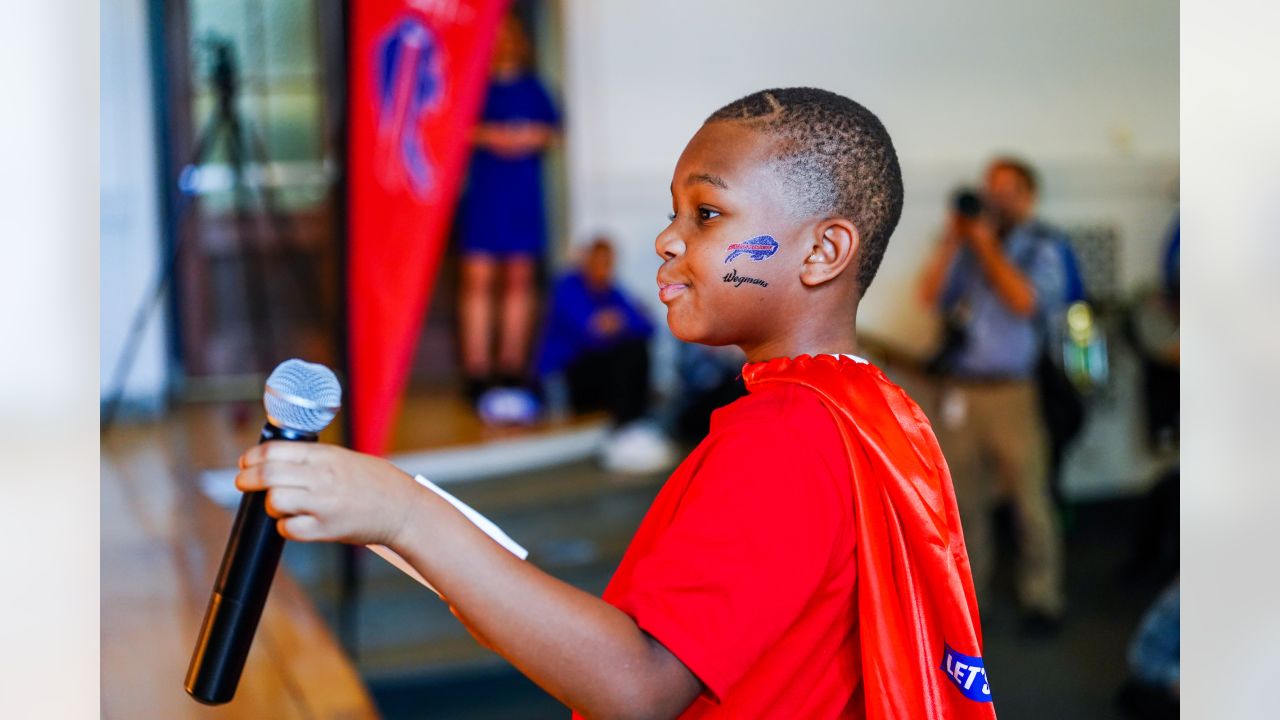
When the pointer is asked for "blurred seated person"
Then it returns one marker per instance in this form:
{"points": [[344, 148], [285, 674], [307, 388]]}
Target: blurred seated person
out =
{"points": [[710, 378], [599, 340]]}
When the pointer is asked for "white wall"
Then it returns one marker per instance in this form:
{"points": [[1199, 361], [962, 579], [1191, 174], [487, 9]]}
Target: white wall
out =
{"points": [[130, 221], [1087, 90]]}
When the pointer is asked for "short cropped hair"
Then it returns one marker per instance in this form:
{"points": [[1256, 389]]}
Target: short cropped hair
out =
{"points": [[1021, 168], [836, 157]]}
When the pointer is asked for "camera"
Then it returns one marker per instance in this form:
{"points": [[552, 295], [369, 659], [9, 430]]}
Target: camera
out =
{"points": [[967, 202]]}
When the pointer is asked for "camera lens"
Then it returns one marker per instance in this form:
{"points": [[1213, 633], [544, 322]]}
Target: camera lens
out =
{"points": [[967, 202]]}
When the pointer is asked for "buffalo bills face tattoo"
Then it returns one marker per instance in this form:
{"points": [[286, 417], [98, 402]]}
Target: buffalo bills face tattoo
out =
{"points": [[760, 247]]}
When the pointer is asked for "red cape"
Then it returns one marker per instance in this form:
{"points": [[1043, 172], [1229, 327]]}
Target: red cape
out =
{"points": [[921, 639]]}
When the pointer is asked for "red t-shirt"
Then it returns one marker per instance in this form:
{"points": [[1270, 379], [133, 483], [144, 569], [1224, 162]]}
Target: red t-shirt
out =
{"points": [[744, 568]]}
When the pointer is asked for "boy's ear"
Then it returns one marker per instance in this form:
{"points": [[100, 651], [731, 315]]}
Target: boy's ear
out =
{"points": [[835, 244]]}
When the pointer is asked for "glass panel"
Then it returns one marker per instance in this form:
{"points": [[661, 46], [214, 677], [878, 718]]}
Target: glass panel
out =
{"points": [[290, 37], [294, 134], [275, 52]]}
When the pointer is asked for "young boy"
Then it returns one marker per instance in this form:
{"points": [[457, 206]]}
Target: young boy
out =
{"points": [[806, 560]]}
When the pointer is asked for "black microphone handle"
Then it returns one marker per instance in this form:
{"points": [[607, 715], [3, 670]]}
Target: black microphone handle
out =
{"points": [[239, 594]]}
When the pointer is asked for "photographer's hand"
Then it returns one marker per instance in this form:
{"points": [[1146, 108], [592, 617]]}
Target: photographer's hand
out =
{"points": [[1012, 287]]}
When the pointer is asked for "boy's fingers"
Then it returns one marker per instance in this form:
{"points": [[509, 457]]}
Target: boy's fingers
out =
{"points": [[277, 450], [303, 528], [271, 474], [282, 502], [250, 479]]}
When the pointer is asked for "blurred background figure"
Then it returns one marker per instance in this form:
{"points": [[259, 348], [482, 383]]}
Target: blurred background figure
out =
{"points": [[598, 341], [999, 278], [1154, 330], [1152, 690], [503, 218], [710, 378]]}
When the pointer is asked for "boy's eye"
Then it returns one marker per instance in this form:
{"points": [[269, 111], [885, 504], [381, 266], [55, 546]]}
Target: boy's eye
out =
{"points": [[704, 214]]}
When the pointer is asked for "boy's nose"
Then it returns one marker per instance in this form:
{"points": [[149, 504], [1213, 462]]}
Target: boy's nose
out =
{"points": [[668, 243]]}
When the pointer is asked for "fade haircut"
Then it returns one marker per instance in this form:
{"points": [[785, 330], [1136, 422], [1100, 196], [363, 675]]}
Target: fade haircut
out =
{"points": [[836, 159]]}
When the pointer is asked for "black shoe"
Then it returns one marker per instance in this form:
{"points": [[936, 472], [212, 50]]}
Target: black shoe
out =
{"points": [[509, 380], [474, 387], [1040, 625], [1141, 701]]}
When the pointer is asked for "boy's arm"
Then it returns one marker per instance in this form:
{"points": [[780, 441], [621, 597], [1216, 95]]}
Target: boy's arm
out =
{"points": [[582, 650], [585, 652]]}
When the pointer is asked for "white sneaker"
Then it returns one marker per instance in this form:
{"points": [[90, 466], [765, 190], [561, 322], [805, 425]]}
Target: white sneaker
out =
{"points": [[638, 447], [508, 406]]}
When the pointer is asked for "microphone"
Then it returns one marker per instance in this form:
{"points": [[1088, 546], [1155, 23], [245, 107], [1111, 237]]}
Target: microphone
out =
{"points": [[301, 399]]}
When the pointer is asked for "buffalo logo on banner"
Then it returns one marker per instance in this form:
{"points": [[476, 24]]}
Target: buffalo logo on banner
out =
{"points": [[417, 82], [410, 86]]}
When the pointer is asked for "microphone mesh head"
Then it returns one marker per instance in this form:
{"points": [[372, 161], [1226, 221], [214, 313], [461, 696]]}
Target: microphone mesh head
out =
{"points": [[302, 396]]}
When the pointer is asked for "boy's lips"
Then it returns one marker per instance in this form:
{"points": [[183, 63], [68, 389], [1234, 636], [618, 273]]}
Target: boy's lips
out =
{"points": [[668, 291]]}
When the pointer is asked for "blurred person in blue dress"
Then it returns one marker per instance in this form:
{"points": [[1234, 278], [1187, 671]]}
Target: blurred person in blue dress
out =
{"points": [[503, 218]]}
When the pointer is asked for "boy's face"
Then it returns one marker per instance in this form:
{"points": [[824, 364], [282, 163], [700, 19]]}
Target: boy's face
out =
{"points": [[731, 221]]}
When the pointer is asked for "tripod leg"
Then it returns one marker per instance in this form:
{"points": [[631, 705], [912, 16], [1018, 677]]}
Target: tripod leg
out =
{"points": [[208, 135], [251, 256], [163, 282], [133, 341]]}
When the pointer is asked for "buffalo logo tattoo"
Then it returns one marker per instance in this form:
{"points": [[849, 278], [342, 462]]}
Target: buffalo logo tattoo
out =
{"points": [[760, 247], [733, 277]]}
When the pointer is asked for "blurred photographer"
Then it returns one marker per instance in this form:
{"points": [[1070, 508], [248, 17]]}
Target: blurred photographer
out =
{"points": [[997, 277]]}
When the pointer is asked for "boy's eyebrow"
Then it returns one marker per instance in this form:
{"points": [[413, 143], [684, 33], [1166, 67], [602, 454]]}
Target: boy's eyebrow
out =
{"points": [[706, 178]]}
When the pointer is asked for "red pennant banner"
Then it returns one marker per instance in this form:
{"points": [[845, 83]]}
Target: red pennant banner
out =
{"points": [[418, 74]]}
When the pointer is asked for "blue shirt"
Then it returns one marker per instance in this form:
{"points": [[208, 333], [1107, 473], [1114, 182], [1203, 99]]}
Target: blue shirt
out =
{"points": [[569, 332], [999, 341]]}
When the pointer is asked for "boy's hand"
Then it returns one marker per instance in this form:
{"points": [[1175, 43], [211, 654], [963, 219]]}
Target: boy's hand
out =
{"points": [[328, 493]]}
